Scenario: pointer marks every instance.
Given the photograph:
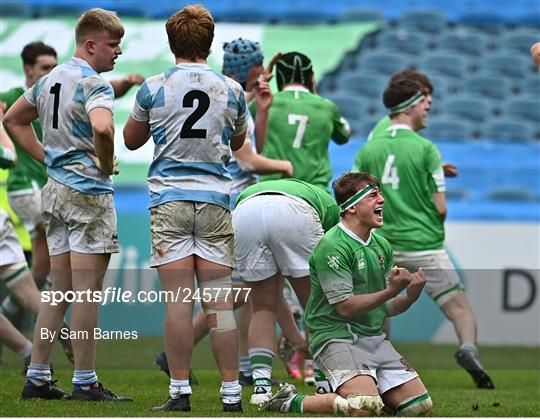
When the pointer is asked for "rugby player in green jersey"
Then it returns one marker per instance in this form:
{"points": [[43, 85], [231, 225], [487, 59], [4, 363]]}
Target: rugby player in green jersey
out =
{"points": [[354, 287], [412, 181], [450, 170], [301, 123]]}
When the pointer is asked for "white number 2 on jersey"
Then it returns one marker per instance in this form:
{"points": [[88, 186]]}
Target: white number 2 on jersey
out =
{"points": [[302, 121], [390, 174]]}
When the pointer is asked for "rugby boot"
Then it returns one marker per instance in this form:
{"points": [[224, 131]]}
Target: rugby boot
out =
{"points": [[96, 393], [280, 401], [468, 360], [178, 404], [47, 391]]}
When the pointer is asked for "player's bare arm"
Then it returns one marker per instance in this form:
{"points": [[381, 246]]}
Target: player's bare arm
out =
{"points": [[263, 100], [136, 133], [122, 86], [18, 121], [399, 279], [237, 141], [402, 303], [102, 123], [439, 200], [249, 161]]}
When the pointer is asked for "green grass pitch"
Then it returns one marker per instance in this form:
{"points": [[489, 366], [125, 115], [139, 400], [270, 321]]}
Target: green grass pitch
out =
{"points": [[127, 367]]}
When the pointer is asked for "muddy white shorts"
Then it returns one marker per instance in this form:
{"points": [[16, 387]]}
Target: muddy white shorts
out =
{"points": [[183, 228], [79, 222], [274, 232], [374, 356]]}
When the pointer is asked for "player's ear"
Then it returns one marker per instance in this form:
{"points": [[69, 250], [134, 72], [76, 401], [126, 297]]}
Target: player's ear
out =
{"points": [[90, 45]]}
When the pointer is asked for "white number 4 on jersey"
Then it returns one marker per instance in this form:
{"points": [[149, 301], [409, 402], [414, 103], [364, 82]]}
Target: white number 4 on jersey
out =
{"points": [[390, 174]]}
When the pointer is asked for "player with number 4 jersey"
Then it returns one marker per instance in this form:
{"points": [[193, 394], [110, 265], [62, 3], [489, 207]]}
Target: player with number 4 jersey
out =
{"points": [[301, 123]]}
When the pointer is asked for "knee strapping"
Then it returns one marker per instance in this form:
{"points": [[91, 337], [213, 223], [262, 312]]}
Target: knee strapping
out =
{"points": [[372, 404], [416, 406], [220, 320], [216, 289], [341, 406]]}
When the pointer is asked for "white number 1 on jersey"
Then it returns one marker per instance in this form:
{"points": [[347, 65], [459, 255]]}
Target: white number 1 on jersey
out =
{"points": [[390, 174], [302, 121]]}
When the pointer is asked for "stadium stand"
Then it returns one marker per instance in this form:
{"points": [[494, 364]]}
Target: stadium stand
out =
{"points": [[486, 88]]}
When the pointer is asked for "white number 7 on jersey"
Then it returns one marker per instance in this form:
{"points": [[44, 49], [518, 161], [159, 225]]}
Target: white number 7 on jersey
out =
{"points": [[302, 121], [390, 174]]}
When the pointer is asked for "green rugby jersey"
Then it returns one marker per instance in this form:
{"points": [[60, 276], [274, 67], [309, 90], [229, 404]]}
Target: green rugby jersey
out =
{"points": [[341, 265], [300, 126], [409, 170], [28, 171], [316, 197]]}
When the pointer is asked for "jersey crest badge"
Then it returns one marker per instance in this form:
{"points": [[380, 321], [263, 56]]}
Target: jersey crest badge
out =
{"points": [[361, 264], [333, 261]]}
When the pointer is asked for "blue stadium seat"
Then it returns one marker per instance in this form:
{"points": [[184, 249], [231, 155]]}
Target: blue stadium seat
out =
{"points": [[15, 9], [516, 66], [381, 63], [531, 87], [358, 14], [492, 23], [241, 13], [512, 194], [308, 15], [450, 65], [369, 86], [458, 193], [476, 110], [61, 9], [350, 106], [519, 43], [448, 129], [464, 43], [444, 87], [360, 128], [510, 130], [486, 86], [530, 19], [432, 21], [327, 85], [375, 108], [524, 109], [403, 41]]}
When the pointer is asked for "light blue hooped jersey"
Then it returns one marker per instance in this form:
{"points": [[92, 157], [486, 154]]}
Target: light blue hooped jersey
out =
{"points": [[193, 111], [63, 99]]}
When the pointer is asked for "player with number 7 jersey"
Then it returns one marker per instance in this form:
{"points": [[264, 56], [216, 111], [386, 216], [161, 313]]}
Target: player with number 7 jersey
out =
{"points": [[301, 123]]}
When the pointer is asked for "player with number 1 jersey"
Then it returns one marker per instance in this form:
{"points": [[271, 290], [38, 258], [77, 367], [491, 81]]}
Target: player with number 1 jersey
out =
{"points": [[301, 123]]}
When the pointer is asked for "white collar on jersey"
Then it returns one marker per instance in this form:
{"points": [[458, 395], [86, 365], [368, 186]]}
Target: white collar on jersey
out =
{"points": [[353, 235], [395, 127], [296, 89]]}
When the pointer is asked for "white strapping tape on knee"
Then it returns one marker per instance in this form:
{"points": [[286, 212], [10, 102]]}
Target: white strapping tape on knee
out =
{"points": [[217, 288], [341, 406], [373, 404], [416, 406], [220, 320]]}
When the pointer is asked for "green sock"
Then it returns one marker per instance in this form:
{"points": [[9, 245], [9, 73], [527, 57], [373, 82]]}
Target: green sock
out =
{"points": [[296, 403]]}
